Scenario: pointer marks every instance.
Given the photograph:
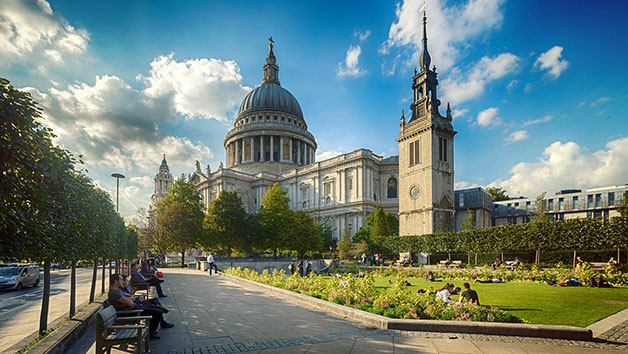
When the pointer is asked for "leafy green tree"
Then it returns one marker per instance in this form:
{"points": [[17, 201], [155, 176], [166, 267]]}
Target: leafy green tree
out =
{"points": [[344, 245], [540, 208], [180, 217], [275, 218], [360, 248], [327, 234], [305, 236], [468, 222], [226, 223], [380, 223], [498, 194]]}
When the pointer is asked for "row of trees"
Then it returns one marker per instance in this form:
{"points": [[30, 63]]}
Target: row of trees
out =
{"points": [[181, 223], [50, 211]]}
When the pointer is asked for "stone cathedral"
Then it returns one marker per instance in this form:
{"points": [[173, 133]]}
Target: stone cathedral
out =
{"points": [[270, 142]]}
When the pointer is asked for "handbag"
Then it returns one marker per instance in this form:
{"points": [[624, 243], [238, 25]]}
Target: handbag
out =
{"points": [[160, 275]]}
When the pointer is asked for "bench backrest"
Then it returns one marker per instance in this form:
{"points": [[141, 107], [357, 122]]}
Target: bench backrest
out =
{"points": [[106, 317], [106, 304]]}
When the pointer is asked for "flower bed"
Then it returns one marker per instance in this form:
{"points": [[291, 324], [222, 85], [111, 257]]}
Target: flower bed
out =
{"points": [[361, 293]]}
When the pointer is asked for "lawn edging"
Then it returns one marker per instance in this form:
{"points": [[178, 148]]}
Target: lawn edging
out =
{"points": [[382, 322], [60, 340]]}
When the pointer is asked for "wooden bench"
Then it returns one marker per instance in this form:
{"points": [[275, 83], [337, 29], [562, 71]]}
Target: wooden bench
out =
{"points": [[135, 287], [110, 332], [454, 264], [598, 265]]}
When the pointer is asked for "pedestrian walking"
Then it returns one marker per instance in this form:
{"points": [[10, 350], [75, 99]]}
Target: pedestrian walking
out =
{"points": [[291, 268], [212, 264], [308, 267], [300, 266], [363, 259]]}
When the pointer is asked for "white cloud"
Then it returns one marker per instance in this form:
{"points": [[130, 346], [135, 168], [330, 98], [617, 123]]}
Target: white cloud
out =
{"points": [[458, 113], [545, 119], [448, 28], [458, 89], [528, 88], [115, 126], [599, 100], [568, 165], [553, 62], [199, 87], [519, 135], [362, 36], [131, 191], [325, 155], [350, 66], [144, 181], [488, 118], [465, 185], [31, 29], [511, 85]]}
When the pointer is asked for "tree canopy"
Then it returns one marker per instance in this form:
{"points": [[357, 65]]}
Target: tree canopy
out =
{"points": [[498, 194]]}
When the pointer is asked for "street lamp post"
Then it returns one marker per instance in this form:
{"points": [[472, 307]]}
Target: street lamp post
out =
{"points": [[117, 176]]}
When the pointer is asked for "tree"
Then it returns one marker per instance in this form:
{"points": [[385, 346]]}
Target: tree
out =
{"points": [[468, 222], [327, 234], [540, 208], [380, 223], [360, 248], [344, 245], [498, 194], [305, 236], [226, 223], [180, 217], [275, 218]]}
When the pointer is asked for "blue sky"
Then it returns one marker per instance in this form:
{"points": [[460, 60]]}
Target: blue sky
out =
{"points": [[539, 89]]}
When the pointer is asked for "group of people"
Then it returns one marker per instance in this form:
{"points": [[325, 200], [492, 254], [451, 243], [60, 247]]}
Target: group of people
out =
{"points": [[513, 265], [122, 299], [302, 268], [468, 295]]}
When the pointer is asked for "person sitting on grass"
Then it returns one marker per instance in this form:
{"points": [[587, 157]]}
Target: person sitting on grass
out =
{"points": [[469, 295], [490, 281], [599, 283], [444, 292], [456, 291], [430, 277], [497, 263], [515, 264]]}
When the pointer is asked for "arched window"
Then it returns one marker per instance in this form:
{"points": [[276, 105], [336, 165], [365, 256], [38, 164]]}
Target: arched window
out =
{"points": [[392, 187]]}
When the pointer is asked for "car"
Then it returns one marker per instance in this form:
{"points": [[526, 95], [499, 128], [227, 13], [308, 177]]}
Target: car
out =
{"points": [[18, 276]]}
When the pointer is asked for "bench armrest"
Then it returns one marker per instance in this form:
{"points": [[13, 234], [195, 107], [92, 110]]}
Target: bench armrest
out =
{"points": [[124, 312], [124, 327]]}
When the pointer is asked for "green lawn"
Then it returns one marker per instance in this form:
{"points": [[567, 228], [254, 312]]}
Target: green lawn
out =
{"points": [[541, 303]]}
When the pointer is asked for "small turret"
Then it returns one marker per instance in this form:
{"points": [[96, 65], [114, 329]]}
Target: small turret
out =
{"points": [[448, 112]]}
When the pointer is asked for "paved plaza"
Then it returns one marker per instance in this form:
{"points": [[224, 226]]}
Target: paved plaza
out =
{"points": [[216, 315]]}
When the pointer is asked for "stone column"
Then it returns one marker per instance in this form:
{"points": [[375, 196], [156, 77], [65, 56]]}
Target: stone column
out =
{"points": [[280, 149], [291, 156], [261, 148], [242, 150], [339, 185], [272, 149], [307, 154], [359, 182], [252, 139], [298, 159], [237, 152]]}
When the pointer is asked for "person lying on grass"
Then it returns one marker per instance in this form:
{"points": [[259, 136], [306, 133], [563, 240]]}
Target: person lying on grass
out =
{"points": [[490, 281], [469, 295], [444, 292], [564, 281]]}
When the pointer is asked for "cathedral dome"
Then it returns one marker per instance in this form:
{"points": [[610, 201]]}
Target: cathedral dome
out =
{"points": [[270, 97]]}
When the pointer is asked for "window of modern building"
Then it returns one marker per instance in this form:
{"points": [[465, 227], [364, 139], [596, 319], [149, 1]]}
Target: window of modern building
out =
{"points": [[605, 215], [561, 204], [597, 214], [589, 214], [561, 216], [392, 187], [598, 200], [590, 201], [575, 203], [461, 200], [516, 208], [611, 198], [442, 149], [550, 205], [528, 207]]}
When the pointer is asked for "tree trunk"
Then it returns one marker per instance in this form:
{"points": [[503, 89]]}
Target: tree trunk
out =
{"points": [[73, 288], [183, 259], [274, 253], [102, 281], [45, 299], [574, 258], [468, 258], [110, 268], [618, 255], [428, 259], [502, 256], [94, 275], [476, 258]]}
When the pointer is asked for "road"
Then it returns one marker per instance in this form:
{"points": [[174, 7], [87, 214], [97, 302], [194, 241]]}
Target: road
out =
{"points": [[20, 310]]}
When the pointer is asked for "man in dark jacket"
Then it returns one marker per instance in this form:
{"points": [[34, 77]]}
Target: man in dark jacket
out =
{"points": [[139, 278]]}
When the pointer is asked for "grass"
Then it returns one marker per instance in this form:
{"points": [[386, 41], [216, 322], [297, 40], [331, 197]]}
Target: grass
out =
{"points": [[540, 303]]}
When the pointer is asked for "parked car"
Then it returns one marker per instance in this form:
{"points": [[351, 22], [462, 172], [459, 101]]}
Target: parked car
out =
{"points": [[17, 276]]}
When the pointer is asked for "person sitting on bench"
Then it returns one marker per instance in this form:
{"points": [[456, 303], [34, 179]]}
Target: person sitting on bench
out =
{"points": [[139, 278], [120, 302], [140, 300], [447, 263], [497, 263], [515, 264]]}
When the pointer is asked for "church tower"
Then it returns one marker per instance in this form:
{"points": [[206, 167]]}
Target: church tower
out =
{"points": [[426, 157], [163, 181]]}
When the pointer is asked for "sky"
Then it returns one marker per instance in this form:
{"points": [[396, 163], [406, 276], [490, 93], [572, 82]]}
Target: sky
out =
{"points": [[538, 89]]}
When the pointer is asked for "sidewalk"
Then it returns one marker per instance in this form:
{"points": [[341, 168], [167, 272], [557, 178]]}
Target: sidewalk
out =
{"points": [[215, 315]]}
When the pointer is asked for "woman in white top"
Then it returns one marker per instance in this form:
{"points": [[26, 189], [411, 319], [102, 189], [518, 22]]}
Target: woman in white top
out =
{"points": [[443, 294]]}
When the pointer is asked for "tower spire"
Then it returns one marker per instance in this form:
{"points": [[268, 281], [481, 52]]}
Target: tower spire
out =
{"points": [[271, 70], [424, 60]]}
